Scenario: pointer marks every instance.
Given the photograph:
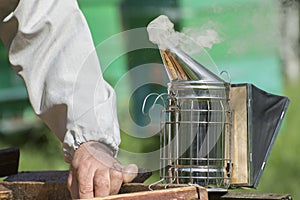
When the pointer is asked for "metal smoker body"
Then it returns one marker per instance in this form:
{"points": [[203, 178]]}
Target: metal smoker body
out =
{"points": [[195, 127]]}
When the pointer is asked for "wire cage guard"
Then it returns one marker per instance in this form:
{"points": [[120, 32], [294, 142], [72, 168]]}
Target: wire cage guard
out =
{"points": [[196, 134]]}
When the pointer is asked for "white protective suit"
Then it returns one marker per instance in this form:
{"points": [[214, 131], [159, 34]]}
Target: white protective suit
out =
{"points": [[51, 48]]}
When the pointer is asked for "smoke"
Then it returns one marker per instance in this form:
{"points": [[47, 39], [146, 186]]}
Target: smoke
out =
{"points": [[191, 40]]}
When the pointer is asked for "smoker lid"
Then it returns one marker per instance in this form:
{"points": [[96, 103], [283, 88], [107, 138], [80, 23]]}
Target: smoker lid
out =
{"points": [[195, 70]]}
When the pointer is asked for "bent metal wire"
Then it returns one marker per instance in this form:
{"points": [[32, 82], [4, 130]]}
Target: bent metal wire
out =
{"points": [[196, 134]]}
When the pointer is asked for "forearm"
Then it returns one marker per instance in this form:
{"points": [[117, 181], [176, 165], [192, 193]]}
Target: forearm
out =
{"points": [[53, 52]]}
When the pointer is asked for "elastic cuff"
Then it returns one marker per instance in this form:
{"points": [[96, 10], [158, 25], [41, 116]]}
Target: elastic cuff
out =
{"points": [[74, 138], [101, 146]]}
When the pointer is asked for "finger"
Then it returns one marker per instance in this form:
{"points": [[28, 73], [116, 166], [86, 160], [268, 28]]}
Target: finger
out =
{"points": [[84, 178], [129, 173], [116, 180], [101, 183], [72, 184]]}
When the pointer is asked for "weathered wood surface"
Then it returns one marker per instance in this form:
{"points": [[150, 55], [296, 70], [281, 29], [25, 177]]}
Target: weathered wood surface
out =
{"points": [[9, 161], [53, 185], [59, 191], [39, 185], [40, 176], [38, 190], [5, 193], [247, 196], [138, 187], [239, 142], [254, 196], [181, 193]]}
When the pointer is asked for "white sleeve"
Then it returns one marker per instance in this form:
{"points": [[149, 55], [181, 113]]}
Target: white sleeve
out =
{"points": [[54, 53]]}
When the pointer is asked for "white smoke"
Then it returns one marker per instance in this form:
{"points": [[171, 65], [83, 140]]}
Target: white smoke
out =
{"points": [[191, 40]]}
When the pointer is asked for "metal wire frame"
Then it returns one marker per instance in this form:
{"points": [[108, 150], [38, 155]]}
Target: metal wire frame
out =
{"points": [[190, 124]]}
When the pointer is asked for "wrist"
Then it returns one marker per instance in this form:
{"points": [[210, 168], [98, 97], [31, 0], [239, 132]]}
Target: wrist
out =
{"points": [[77, 136], [99, 146]]}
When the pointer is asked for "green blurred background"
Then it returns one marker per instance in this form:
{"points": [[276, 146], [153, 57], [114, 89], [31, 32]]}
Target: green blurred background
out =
{"points": [[260, 45]]}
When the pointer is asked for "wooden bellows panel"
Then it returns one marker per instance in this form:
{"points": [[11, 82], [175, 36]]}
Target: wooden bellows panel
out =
{"points": [[239, 139]]}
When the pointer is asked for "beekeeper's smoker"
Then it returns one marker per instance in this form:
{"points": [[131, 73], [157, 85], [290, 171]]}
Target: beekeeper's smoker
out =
{"points": [[214, 133]]}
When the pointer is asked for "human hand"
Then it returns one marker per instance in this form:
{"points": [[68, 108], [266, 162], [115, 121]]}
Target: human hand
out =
{"points": [[94, 172]]}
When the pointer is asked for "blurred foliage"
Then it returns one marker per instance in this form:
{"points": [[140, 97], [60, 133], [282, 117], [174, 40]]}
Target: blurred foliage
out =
{"points": [[39, 149]]}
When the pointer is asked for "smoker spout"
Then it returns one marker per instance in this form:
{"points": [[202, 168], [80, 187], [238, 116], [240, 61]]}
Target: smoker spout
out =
{"points": [[193, 69]]}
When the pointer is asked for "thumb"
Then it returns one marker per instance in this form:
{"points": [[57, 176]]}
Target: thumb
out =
{"points": [[129, 173]]}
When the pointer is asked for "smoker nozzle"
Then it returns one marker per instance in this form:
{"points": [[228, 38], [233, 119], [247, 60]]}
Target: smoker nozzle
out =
{"points": [[180, 66]]}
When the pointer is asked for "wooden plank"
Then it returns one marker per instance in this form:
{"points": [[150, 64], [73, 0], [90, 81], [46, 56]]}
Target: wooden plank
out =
{"points": [[5, 193], [9, 161], [40, 176], [38, 190], [240, 168], [215, 195], [39, 185], [53, 185], [253, 196], [58, 190], [138, 187], [183, 193]]}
